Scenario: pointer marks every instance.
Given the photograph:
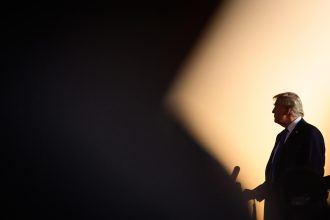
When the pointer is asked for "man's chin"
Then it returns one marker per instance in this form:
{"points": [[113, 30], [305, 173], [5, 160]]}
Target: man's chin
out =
{"points": [[277, 122]]}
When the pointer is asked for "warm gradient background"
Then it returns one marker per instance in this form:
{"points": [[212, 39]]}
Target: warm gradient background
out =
{"points": [[84, 85], [250, 52]]}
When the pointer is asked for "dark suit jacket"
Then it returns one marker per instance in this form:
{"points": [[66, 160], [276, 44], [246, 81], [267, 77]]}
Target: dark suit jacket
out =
{"points": [[304, 149]]}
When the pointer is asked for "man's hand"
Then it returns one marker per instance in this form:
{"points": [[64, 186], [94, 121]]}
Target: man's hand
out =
{"points": [[248, 194]]}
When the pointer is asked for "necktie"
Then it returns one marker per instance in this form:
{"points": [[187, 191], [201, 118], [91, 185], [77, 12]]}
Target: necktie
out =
{"points": [[278, 151]]}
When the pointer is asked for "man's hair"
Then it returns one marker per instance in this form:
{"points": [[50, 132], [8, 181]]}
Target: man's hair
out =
{"points": [[290, 100]]}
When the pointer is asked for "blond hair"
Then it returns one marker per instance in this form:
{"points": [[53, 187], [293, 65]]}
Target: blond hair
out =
{"points": [[290, 100]]}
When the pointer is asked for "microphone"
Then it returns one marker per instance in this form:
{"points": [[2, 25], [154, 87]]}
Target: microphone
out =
{"points": [[235, 172]]}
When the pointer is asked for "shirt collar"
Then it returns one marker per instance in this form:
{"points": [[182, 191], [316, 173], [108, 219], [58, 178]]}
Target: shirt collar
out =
{"points": [[293, 124]]}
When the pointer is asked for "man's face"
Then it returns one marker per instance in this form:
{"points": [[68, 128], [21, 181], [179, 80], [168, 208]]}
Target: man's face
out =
{"points": [[281, 114]]}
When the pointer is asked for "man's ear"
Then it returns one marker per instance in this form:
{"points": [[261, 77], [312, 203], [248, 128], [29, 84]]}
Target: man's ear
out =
{"points": [[289, 111]]}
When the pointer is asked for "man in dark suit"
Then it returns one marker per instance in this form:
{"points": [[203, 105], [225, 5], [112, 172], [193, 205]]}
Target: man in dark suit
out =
{"points": [[299, 148]]}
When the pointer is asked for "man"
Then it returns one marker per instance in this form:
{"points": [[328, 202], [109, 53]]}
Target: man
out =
{"points": [[299, 151]]}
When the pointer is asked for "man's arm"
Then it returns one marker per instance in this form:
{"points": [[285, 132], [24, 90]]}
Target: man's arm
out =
{"points": [[259, 193], [316, 152]]}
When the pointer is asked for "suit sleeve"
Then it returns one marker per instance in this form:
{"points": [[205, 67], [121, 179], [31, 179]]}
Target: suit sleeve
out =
{"points": [[314, 155], [261, 191]]}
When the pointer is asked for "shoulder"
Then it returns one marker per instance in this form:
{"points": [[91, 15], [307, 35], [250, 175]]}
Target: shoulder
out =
{"points": [[303, 125], [307, 128]]}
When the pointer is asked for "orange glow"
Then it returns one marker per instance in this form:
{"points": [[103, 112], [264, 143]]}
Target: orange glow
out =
{"points": [[249, 53]]}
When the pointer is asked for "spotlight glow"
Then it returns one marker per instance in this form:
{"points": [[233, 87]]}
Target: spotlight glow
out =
{"points": [[249, 53]]}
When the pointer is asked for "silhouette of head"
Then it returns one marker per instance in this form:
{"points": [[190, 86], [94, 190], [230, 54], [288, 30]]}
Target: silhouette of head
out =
{"points": [[287, 108]]}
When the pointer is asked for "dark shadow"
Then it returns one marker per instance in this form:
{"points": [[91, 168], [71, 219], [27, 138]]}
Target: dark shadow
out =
{"points": [[85, 120]]}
